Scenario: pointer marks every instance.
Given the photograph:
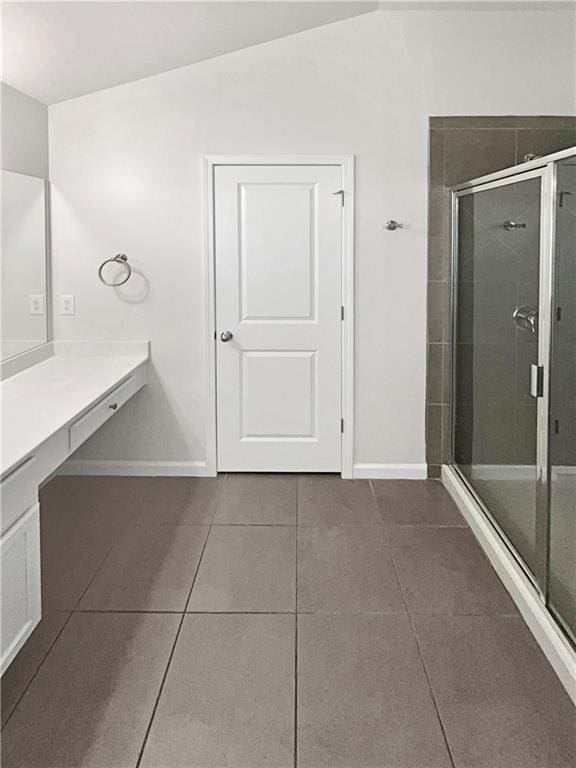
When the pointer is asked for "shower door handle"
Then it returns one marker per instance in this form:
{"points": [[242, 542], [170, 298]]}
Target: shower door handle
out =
{"points": [[536, 380]]}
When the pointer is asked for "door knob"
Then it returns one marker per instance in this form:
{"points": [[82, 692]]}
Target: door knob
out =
{"points": [[226, 335]]}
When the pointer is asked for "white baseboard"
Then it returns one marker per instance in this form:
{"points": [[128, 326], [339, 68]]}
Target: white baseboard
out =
{"points": [[137, 468], [390, 471], [549, 637]]}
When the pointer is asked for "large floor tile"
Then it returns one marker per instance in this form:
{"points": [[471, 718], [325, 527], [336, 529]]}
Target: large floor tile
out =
{"points": [[228, 700], [92, 500], [92, 700], [247, 568], [150, 568], [500, 702], [29, 658], [265, 499], [70, 559], [56, 489], [180, 500], [329, 500], [416, 502], [363, 699], [346, 569], [443, 570]]}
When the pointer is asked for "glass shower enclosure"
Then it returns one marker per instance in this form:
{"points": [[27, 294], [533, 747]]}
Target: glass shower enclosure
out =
{"points": [[513, 400]]}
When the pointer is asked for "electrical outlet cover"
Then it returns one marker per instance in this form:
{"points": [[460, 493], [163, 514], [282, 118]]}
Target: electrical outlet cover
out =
{"points": [[36, 304], [67, 304]]}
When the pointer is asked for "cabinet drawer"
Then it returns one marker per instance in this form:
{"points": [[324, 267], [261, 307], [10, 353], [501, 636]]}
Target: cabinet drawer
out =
{"points": [[87, 424], [20, 584], [18, 491]]}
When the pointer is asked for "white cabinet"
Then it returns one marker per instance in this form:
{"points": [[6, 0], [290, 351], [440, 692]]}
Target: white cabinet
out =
{"points": [[20, 608], [85, 426], [49, 410]]}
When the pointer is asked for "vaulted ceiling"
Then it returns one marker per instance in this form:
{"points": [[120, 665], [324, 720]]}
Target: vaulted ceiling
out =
{"points": [[54, 51]]}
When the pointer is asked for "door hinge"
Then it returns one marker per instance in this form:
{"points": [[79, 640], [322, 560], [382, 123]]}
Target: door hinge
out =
{"points": [[558, 314], [341, 193], [341, 313], [341, 426]]}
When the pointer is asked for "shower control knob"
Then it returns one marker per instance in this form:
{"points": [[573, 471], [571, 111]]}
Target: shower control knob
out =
{"points": [[226, 335]]}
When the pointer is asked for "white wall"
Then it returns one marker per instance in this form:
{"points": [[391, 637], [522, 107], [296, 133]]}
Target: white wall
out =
{"points": [[24, 133], [126, 168]]}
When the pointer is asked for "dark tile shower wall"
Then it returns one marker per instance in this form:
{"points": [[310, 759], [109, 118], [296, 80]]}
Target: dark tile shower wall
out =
{"points": [[462, 148]]}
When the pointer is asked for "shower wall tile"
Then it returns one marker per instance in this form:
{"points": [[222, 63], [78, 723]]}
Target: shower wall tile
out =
{"points": [[435, 369], [436, 154], [479, 123], [438, 211], [475, 152], [543, 142], [436, 293], [438, 259], [434, 433], [461, 148], [546, 122], [446, 371]]}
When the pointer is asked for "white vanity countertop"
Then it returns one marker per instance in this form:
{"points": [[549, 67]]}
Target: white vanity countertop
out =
{"points": [[44, 398]]}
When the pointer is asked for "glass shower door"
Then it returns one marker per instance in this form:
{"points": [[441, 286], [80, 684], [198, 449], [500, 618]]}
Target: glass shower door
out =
{"points": [[496, 349], [562, 564]]}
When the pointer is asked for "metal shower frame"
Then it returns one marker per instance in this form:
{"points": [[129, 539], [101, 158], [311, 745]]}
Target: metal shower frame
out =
{"points": [[545, 169]]}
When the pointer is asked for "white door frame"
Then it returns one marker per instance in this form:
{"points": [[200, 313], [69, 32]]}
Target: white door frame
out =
{"points": [[346, 162]]}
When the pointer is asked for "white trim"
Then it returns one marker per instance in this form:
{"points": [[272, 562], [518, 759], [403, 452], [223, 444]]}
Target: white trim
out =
{"points": [[136, 468], [549, 637], [210, 315], [390, 471], [347, 164]]}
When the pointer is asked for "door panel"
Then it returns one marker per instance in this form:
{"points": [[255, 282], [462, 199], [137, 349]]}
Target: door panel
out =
{"points": [[562, 574], [496, 347], [278, 292]]}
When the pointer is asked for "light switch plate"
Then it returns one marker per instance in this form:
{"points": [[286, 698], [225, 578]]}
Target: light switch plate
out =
{"points": [[67, 304], [36, 304]]}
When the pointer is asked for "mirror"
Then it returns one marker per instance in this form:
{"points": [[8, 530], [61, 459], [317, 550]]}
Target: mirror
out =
{"points": [[23, 264]]}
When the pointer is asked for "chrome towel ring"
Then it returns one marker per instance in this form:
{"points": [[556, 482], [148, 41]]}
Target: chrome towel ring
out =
{"points": [[122, 259]]}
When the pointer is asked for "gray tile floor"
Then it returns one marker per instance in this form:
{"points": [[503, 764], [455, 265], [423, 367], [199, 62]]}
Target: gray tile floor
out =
{"points": [[267, 621]]}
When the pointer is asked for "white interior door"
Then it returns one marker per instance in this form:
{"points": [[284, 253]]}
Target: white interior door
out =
{"points": [[279, 294]]}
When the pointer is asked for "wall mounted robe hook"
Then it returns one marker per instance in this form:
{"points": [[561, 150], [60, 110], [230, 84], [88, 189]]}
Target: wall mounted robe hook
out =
{"points": [[391, 225]]}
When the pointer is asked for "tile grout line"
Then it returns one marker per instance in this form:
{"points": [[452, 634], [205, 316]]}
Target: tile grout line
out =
{"points": [[432, 695], [421, 657], [296, 626], [70, 614], [383, 523], [173, 649], [36, 671]]}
